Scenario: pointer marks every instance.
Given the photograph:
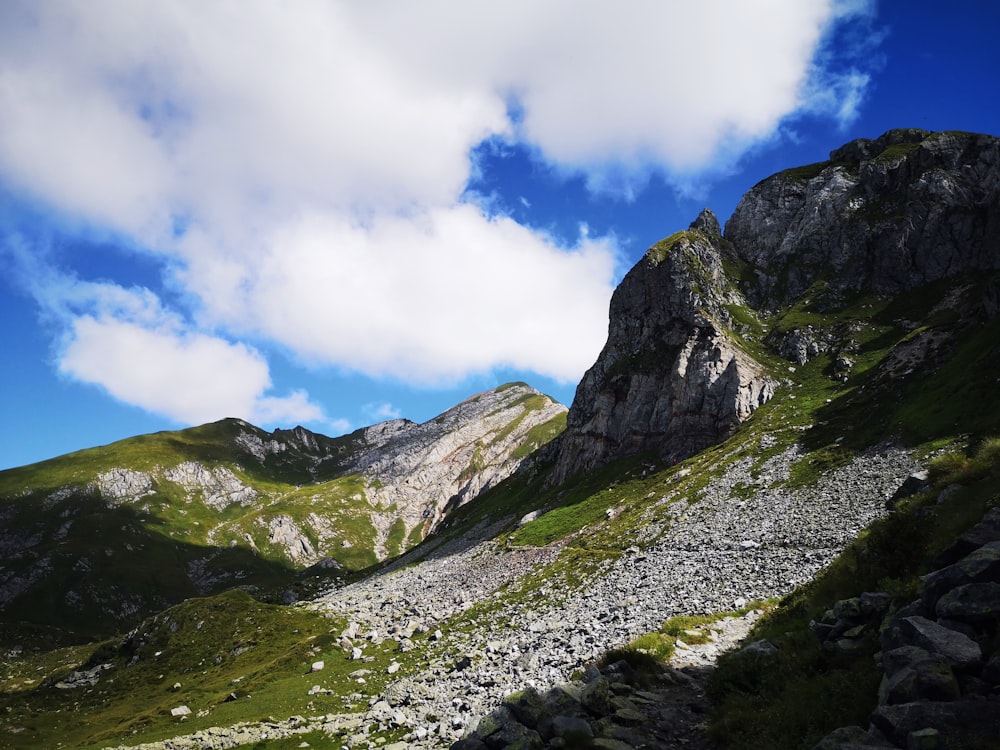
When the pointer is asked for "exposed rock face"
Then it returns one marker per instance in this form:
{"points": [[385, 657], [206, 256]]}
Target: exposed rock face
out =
{"points": [[882, 216], [671, 379], [219, 485], [428, 469], [938, 683]]}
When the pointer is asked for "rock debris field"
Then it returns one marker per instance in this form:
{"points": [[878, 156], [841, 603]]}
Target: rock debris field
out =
{"points": [[492, 631]]}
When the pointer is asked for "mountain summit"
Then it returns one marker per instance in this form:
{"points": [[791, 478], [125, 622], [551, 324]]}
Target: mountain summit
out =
{"points": [[683, 365]]}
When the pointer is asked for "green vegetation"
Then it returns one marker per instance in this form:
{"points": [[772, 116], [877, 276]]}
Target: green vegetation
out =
{"points": [[896, 152], [803, 692], [689, 629]]}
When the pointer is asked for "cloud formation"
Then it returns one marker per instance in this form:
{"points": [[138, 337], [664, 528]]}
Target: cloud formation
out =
{"points": [[299, 168]]}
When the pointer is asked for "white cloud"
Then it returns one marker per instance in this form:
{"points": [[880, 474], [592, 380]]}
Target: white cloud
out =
{"points": [[188, 377], [422, 299], [380, 412], [317, 152]]}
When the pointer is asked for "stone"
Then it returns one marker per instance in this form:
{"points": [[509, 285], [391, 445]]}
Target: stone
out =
{"points": [[953, 719], [984, 532], [924, 676], [317, 666], [973, 602], [912, 485], [924, 739], [469, 743], [981, 565], [958, 649], [571, 728], [609, 743], [527, 706], [761, 649], [596, 696], [849, 738], [180, 711], [874, 604], [514, 734]]}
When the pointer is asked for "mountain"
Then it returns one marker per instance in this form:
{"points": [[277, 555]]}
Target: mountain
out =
{"points": [[897, 236], [97, 539], [790, 436]]}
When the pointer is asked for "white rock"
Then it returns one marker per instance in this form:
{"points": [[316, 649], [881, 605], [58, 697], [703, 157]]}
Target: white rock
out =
{"points": [[180, 711]]}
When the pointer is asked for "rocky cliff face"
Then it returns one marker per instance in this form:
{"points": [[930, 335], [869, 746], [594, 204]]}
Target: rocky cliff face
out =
{"points": [[416, 474], [671, 378], [881, 217]]}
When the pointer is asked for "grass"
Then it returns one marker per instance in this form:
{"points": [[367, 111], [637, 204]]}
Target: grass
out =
{"points": [[793, 700], [692, 630], [213, 647]]}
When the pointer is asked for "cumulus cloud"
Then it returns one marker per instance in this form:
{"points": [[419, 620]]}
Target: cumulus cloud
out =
{"points": [[126, 342], [299, 168], [380, 412], [188, 377]]}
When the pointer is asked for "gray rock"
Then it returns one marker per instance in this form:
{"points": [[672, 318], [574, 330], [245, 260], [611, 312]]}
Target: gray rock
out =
{"points": [[958, 649], [981, 565], [884, 215], [959, 720], [923, 676], [973, 602], [671, 379], [984, 532], [762, 649], [849, 738], [596, 696]]}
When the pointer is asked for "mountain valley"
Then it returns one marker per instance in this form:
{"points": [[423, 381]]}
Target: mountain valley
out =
{"points": [[791, 413]]}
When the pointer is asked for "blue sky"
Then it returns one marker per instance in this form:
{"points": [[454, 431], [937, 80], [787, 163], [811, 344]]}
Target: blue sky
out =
{"points": [[330, 213]]}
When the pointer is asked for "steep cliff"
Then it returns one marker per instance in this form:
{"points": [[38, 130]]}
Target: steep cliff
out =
{"points": [[671, 379], [881, 218]]}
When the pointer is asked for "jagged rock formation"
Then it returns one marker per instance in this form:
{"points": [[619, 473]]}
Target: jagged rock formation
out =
{"points": [[882, 217], [427, 470], [938, 683], [671, 379]]}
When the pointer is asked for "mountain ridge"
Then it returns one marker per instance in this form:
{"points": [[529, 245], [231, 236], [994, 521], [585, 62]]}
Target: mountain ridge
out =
{"points": [[230, 504], [665, 496]]}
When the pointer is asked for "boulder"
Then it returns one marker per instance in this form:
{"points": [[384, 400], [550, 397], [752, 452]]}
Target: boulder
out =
{"points": [[979, 566], [960, 651], [973, 602], [961, 721], [984, 532], [922, 676]]}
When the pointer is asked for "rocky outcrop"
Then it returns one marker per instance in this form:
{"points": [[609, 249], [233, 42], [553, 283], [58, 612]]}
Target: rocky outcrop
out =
{"points": [[881, 216], [671, 379], [427, 470], [218, 485], [939, 659]]}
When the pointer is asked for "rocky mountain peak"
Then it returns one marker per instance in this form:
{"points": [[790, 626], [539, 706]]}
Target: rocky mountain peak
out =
{"points": [[883, 216], [707, 223], [670, 379]]}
